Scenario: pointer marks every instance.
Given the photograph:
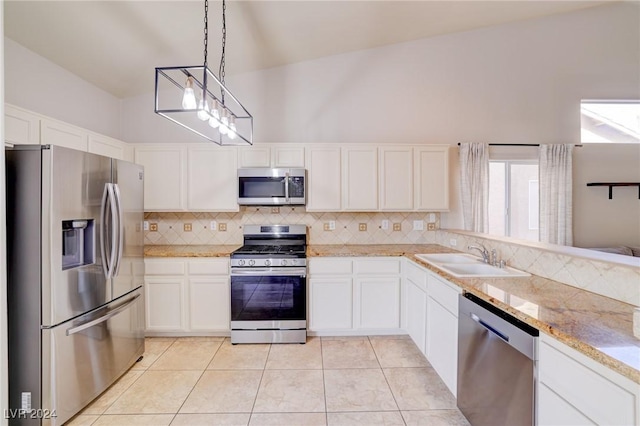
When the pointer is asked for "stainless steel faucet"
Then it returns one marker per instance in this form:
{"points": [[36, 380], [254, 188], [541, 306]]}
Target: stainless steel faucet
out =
{"points": [[483, 250]]}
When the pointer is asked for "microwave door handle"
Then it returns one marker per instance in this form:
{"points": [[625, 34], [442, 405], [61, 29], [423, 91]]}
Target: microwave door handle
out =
{"points": [[103, 230], [120, 228], [286, 187]]}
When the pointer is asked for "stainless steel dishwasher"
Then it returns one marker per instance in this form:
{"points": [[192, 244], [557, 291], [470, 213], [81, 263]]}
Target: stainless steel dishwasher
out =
{"points": [[496, 365]]}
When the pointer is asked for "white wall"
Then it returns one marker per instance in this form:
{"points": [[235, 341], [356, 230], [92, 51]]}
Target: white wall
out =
{"points": [[39, 85], [515, 83], [4, 371], [597, 220]]}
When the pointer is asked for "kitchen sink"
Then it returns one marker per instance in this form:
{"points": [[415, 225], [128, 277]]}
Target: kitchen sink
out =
{"points": [[468, 266]]}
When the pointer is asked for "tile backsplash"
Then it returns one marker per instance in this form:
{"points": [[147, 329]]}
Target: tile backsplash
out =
{"points": [[195, 228]]}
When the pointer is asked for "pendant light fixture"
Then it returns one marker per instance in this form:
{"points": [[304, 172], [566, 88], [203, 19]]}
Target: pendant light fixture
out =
{"points": [[198, 100]]}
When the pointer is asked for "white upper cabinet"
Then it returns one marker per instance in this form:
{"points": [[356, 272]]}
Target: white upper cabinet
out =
{"points": [[431, 171], [164, 176], [254, 156], [53, 132], [211, 178], [104, 145], [20, 126], [272, 156], [360, 178], [396, 178], [323, 178]]}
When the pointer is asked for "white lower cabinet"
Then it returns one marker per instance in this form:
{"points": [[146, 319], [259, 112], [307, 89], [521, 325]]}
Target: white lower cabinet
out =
{"points": [[354, 296], [187, 296], [576, 390], [416, 306]]}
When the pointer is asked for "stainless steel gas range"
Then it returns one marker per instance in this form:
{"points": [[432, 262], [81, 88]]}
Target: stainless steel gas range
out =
{"points": [[269, 285]]}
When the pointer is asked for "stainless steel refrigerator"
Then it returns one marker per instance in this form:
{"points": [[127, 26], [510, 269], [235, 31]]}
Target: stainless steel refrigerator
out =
{"points": [[75, 274]]}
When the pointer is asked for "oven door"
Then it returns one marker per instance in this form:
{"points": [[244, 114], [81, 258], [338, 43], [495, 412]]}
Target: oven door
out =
{"points": [[268, 298]]}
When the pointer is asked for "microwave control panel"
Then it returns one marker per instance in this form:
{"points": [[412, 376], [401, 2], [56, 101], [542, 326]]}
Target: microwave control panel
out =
{"points": [[296, 186]]}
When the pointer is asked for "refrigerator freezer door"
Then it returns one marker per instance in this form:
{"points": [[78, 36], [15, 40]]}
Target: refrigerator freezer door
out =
{"points": [[72, 189], [89, 353], [129, 268]]}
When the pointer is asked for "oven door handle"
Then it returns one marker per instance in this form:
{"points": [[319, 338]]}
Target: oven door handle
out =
{"points": [[277, 272]]}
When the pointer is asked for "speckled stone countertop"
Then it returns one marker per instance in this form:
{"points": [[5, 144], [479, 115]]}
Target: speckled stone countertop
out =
{"points": [[597, 326], [189, 251]]}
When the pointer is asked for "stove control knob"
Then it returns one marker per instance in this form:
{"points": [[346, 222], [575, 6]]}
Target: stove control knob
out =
{"points": [[252, 262], [241, 262], [267, 263], [284, 262]]}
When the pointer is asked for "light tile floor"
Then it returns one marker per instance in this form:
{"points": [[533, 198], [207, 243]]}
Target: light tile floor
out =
{"points": [[377, 380]]}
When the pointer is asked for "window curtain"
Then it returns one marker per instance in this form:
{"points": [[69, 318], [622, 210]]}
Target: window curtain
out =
{"points": [[556, 189], [474, 182]]}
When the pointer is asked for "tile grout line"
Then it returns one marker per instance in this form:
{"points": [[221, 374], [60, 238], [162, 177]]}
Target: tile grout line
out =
{"points": [[386, 380], [255, 399], [324, 384]]}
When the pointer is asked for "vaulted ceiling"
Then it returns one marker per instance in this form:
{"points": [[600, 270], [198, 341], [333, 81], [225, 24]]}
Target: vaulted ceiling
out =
{"points": [[116, 45]]}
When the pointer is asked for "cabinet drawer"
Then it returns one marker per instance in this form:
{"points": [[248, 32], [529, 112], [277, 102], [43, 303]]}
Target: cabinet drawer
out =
{"points": [[416, 275], [593, 394], [330, 266], [444, 293], [375, 266], [163, 267], [209, 267]]}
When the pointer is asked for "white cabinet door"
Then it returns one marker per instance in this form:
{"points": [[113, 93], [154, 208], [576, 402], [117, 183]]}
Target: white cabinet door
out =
{"points": [[555, 411], [164, 298], [254, 156], [416, 303], [20, 126], [287, 156], [54, 132], [164, 176], [109, 147], [360, 178], [331, 305], [209, 303], [431, 171], [212, 183], [378, 303], [323, 178], [396, 178], [442, 343], [580, 387]]}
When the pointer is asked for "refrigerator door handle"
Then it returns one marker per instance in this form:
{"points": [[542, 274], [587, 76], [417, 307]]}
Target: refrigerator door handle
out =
{"points": [[103, 318], [120, 228], [103, 228], [114, 230]]}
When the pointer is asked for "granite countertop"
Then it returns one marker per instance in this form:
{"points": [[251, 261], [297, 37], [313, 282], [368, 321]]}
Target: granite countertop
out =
{"points": [[189, 250], [597, 326]]}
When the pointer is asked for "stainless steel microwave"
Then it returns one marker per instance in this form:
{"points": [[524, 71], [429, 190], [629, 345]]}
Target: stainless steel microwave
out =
{"points": [[271, 187]]}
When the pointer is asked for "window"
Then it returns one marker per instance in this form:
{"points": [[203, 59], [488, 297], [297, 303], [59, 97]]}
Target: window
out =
{"points": [[603, 121], [513, 199]]}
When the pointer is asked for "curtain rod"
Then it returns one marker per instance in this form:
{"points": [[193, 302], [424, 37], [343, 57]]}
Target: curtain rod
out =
{"points": [[521, 144]]}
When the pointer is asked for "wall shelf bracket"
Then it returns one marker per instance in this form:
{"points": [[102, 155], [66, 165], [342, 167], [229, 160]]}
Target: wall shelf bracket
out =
{"points": [[612, 184]]}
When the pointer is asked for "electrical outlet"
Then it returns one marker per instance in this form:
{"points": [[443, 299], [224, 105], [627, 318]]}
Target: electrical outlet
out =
{"points": [[332, 225], [327, 227], [385, 224], [153, 227], [362, 227], [145, 225], [213, 225], [453, 242], [397, 226], [432, 217], [222, 227], [275, 209], [187, 227], [431, 226], [418, 225]]}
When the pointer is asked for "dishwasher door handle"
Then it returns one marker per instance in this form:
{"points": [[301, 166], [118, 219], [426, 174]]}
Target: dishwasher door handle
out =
{"points": [[491, 329]]}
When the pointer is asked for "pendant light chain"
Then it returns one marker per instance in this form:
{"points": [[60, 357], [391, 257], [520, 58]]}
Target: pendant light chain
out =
{"points": [[224, 42], [206, 31]]}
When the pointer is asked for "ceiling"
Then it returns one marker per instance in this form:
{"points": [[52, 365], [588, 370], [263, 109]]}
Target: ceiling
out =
{"points": [[116, 45]]}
